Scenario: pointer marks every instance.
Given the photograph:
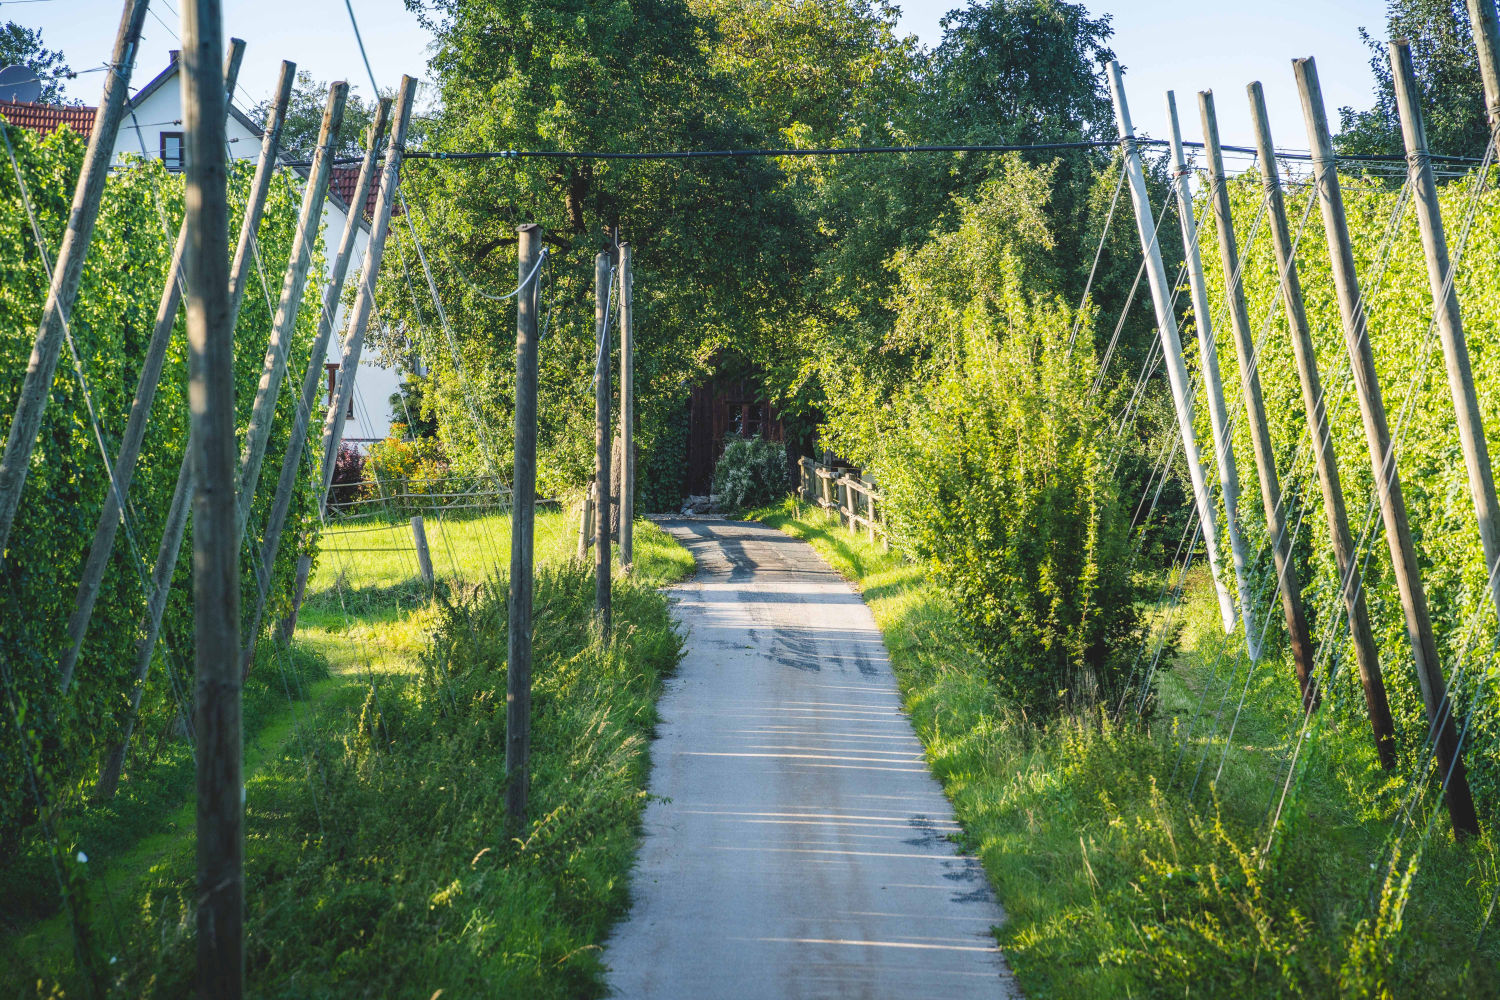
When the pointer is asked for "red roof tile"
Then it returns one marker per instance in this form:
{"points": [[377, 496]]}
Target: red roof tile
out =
{"points": [[48, 118], [344, 178]]}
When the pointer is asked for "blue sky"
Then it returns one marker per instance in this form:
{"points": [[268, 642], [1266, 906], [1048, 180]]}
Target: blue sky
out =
{"points": [[1163, 45]]}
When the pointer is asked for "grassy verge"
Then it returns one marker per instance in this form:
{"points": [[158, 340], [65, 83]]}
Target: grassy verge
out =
{"points": [[377, 859], [1130, 869]]}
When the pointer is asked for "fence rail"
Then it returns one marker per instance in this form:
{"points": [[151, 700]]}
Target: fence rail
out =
{"points": [[856, 501]]}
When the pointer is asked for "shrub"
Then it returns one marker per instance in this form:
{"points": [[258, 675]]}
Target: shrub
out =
{"points": [[404, 473], [348, 474], [998, 473], [750, 473]]}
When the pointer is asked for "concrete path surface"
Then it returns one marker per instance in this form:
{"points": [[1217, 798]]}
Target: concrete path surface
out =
{"points": [[796, 845]]}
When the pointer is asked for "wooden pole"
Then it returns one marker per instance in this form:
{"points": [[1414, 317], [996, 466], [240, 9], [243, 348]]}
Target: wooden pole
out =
{"points": [[312, 380], [67, 270], [424, 557], [1288, 586], [1485, 23], [283, 327], [216, 582], [1440, 278], [601, 440], [1366, 655], [627, 410], [523, 520], [260, 185], [1213, 384], [1382, 454], [364, 302], [134, 436], [359, 319], [1177, 375], [170, 549]]}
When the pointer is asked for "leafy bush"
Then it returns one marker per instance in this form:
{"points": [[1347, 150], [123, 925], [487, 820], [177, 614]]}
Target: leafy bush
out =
{"points": [[402, 473], [751, 472], [348, 476], [996, 463]]}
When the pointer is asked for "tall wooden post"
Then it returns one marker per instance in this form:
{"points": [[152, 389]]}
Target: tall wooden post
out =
{"points": [[312, 380], [522, 523], [134, 436], [1351, 585], [1485, 23], [67, 270], [1288, 585], [216, 581], [601, 440], [627, 410], [359, 319], [260, 185], [1177, 375], [1383, 455], [364, 302], [1213, 384], [170, 548], [283, 327], [1440, 278]]}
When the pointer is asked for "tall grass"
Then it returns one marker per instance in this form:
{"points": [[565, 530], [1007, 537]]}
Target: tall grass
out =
{"points": [[1117, 883], [378, 859]]}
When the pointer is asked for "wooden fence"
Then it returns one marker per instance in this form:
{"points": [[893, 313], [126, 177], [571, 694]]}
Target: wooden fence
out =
{"points": [[856, 501]]}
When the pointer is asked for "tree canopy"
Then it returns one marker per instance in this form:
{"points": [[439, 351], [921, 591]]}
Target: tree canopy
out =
{"points": [[22, 46]]}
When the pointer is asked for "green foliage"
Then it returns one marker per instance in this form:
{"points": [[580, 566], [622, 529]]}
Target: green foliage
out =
{"points": [[1447, 70], [404, 477], [110, 326], [1409, 363], [998, 472], [22, 46], [1117, 882], [377, 813], [525, 75], [750, 473]]}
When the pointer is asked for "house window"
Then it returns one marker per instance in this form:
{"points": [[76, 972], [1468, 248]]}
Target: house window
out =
{"points": [[333, 376], [746, 418], [171, 150]]}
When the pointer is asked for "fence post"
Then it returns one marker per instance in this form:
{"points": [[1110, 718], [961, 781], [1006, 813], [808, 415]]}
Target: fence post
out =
{"points": [[1440, 276], [601, 440], [36, 389], [1177, 375], [1383, 455], [312, 379], [134, 435], [1213, 384], [1288, 585], [424, 558], [585, 522], [1366, 656], [627, 410], [523, 514], [216, 581]]}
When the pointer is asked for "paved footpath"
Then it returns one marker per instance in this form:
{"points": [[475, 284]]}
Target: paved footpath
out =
{"points": [[795, 845]]}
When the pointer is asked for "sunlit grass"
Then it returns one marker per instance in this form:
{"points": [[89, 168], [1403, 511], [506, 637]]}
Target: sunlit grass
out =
{"points": [[1128, 855], [366, 634]]}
